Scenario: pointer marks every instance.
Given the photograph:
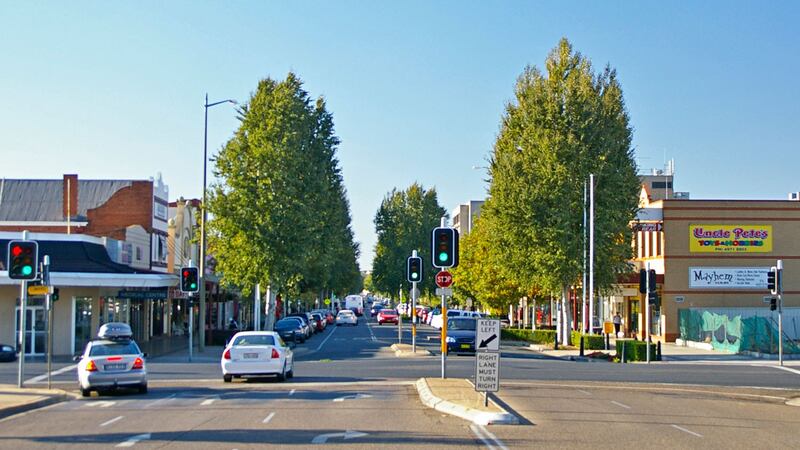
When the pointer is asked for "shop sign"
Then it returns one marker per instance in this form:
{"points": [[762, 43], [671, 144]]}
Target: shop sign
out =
{"points": [[730, 238], [728, 277], [648, 226], [143, 295]]}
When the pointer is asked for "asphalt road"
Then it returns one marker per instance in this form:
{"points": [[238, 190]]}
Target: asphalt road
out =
{"points": [[350, 389]]}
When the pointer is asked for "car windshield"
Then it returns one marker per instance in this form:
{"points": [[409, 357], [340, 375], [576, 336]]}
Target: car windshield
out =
{"points": [[107, 348], [453, 313], [254, 339], [461, 324], [287, 324]]}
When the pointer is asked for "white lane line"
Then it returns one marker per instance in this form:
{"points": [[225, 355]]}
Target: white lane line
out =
{"points": [[292, 391], [687, 431], [787, 369], [53, 373], [100, 404], [326, 340], [585, 392], [269, 417], [134, 439], [620, 405], [109, 422], [481, 436], [369, 327], [491, 436], [209, 401], [170, 397]]}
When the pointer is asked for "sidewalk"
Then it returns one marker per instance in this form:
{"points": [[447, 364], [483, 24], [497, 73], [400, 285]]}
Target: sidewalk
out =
{"points": [[14, 400]]}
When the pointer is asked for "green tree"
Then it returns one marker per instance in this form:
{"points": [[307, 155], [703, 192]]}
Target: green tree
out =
{"points": [[404, 223], [562, 127], [280, 215]]}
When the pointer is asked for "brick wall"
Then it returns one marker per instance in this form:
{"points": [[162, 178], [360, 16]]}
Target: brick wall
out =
{"points": [[129, 206]]}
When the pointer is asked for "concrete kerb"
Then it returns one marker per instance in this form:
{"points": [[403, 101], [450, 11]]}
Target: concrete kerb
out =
{"points": [[473, 415], [404, 351], [39, 399]]}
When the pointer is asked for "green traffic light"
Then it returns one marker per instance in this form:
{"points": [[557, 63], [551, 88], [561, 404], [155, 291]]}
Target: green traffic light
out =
{"points": [[27, 270], [414, 275], [443, 256], [194, 285]]}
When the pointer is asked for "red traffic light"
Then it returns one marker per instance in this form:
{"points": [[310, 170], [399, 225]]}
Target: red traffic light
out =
{"points": [[16, 250]]}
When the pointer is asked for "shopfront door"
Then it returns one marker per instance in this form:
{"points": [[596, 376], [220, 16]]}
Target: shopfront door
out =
{"points": [[35, 330]]}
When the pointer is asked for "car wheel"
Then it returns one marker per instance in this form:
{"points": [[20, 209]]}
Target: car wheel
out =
{"points": [[86, 392], [282, 375], [143, 388], [227, 378]]}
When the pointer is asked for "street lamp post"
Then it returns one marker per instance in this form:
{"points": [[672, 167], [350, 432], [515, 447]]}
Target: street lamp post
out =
{"points": [[202, 316]]}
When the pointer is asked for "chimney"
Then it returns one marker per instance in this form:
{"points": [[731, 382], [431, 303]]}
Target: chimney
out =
{"points": [[70, 200]]}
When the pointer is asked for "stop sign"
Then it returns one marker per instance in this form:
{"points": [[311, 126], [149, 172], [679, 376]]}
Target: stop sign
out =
{"points": [[444, 279]]}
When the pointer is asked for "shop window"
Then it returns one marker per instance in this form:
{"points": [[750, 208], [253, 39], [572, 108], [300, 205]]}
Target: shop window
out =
{"points": [[83, 323]]}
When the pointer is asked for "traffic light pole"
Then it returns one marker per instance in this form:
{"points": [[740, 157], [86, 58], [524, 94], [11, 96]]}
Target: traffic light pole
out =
{"points": [[414, 311], [779, 285], [647, 315], [23, 308], [49, 304]]}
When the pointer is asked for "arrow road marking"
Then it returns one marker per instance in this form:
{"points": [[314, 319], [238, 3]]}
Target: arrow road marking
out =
{"points": [[485, 342], [352, 397], [133, 440], [100, 404], [323, 438]]}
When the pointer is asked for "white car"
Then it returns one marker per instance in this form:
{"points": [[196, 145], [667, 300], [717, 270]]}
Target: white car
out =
{"points": [[112, 361], [257, 353], [436, 321], [346, 317]]}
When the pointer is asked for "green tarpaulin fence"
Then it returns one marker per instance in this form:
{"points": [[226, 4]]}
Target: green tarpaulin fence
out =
{"points": [[737, 334]]}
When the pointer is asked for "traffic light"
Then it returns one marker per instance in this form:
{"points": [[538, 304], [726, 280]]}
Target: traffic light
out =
{"points": [[772, 278], [642, 281], [444, 247], [654, 300], [652, 281], [189, 279], [54, 295], [23, 260], [414, 269], [773, 303]]}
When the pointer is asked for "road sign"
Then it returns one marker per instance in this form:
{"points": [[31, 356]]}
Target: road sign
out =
{"points": [[487, 372], [39, 290], [414, 293], [444, 291], [327, 302], [488, 335], [444, 279]]}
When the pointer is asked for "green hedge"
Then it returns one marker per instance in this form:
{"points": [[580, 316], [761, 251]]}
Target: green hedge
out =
{"points": [[590, 341], [534, 337], [635, 350]]}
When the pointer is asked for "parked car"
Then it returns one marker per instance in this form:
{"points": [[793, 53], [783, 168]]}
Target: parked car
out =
{"points": [[291, 329], [112, 361], [376, 307], [346, 317], [326, 315], [7, 353], [256, 354], [422, 312], [319, 323], [306, 320], [387, 316], [436, 322], [461, 332]]}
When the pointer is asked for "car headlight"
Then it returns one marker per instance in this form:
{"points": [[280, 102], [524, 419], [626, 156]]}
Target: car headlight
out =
{"points": [[450, 340]]}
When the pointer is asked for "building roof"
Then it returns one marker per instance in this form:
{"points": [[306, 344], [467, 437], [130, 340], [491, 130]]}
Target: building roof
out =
{"points": [[76, 257], [42, 200]]}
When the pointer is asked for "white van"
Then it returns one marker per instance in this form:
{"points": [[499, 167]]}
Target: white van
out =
{"points": [[436, 321], [354, 303]]}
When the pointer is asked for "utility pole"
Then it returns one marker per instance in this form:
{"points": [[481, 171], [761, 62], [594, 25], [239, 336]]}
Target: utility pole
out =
{"points": [[583, 285], [779, 285], [591, 253], [647, 314]]}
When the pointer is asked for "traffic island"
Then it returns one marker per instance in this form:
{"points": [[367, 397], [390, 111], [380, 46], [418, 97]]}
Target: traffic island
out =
{"points": [[457, 397], [404, 351], [14, 400]]}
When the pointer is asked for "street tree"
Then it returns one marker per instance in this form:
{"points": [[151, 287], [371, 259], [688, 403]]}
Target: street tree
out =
{"points": [[562, 126]]}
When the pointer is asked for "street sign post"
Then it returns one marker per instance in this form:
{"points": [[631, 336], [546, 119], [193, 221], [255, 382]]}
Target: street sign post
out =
{"points": [[488, 335], [487, 372]]}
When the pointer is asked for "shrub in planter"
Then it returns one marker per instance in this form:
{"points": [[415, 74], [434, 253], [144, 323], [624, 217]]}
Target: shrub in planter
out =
{"points": [[590, 342], [534, 337], [635, 350]]}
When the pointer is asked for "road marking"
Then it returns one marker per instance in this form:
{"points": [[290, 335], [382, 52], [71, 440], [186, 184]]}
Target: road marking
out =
{"points": [[584, 392], [326, 339], [209, 401], [53, 373], [269, 417], [292, 391], [489, 440], [134, 439], [369, 327], [352, 397], [109, 422], [620, 405], [170, 397], [786, 369], [101, 404], [687, 431], [323, 438]]}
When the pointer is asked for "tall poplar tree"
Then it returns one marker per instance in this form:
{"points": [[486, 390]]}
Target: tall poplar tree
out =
{"points": [[562, 126]]}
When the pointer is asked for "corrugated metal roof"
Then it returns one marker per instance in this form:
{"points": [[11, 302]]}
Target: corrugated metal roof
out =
{"points": [[41, 200]]}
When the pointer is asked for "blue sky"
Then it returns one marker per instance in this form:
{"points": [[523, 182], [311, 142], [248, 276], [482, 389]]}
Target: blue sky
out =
{"points": [[417, 88]]}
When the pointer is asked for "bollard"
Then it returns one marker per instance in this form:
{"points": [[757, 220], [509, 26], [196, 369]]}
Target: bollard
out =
{"points": [[623, 352], [581, 345], [555, 347], [658, 351], [608, 341]]}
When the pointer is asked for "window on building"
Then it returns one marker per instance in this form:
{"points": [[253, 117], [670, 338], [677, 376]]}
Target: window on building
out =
{"points": [[661, 184], [138, 253]]}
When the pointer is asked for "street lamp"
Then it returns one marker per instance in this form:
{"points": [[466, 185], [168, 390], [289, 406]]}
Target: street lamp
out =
{"points": [[202, 322]]}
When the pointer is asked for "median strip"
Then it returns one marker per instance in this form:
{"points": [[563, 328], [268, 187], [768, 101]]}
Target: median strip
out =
{"points": [[457, 397]]}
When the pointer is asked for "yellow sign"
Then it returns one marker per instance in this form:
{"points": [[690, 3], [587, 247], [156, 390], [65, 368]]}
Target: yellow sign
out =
{"points": [[608, 327], [38, 290], [730, 238]]}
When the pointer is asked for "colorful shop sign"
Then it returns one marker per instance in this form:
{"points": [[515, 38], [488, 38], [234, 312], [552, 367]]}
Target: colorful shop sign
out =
{"points": [[730, 238], [728, 277]]}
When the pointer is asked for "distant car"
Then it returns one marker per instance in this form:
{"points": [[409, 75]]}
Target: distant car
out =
{"points": [[376, 307], [387, 316], [112, 361], [7, 353], [436, 322], [291, 329], [461, 332], [319, 322], [255, 354], [306, 320], [346, 317], [326, 315]]}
